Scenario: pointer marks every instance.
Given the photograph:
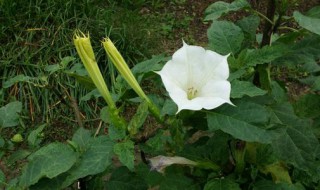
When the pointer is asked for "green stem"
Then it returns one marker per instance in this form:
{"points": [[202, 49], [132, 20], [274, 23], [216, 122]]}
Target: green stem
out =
{"points": [[288, 28], [262, 15]]}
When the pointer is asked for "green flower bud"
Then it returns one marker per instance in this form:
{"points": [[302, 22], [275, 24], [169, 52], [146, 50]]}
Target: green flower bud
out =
{"points": [[17, 138]]}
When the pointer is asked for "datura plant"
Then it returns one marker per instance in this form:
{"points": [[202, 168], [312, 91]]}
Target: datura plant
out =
{"points": [[197, 78], [218, 117]]}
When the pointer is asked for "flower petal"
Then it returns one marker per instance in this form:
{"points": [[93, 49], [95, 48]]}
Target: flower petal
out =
{"points": [[198, 71]]}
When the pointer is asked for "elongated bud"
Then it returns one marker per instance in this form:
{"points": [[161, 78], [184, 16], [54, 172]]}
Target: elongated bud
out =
{"points": [[122, 67], [126, 73], [85, 51]]}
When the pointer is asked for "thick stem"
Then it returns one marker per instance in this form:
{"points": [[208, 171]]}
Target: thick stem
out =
{"points": [[268, 27], [262, 76]]}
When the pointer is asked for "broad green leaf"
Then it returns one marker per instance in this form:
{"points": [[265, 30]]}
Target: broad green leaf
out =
{"points": [[269, 185], [169, 108], [138, 119], [285, 114], [298, 145], [125, 152], [94, 160], [243, 122], [314, 12], [18, 155], [16, 79], [49, 184], [33, 138], [308, 106], [149, 65], [225, 37], [237, 74], [173, 179], [249, 25], [215, 150], [302, 52], [307, 22], [242, 88], [217, 9], [157, 143], [116, 133], [123, 179], [151, 177], [49, 161], [278, 93], [312, 81], [260, 56], [221, 184], [9, 114], [82, 138]]}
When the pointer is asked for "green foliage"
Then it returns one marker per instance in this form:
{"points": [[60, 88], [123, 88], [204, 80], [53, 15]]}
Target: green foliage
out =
{"points": [[46, 162], [225, 37], [242, 88], [248, 121], [222, 184], [122, 179], [215, 10], [9, 114], [34, 137], [310, 21], [125, 152], [138, 119], [269, 139]]}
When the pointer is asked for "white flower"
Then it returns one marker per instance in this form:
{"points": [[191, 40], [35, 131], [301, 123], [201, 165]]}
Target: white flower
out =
{"points": [[197, 78]]}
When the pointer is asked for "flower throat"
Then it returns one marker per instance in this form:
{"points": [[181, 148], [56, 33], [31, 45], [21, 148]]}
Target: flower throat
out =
{"points": [[191, 93]]}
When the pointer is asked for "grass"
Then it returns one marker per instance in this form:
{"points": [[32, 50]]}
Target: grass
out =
{"points": [[37, 36], [39, 33]]}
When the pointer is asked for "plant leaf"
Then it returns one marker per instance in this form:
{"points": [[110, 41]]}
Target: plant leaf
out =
{"points": [[149, 65], [266, 54], [249, 26], [308, 106], [33, 137], [242, 88], [217, 9], [139, 118], [123, 179], [298, 145], [314, 12], [94, 160], [243, 122], [225, 37], [175, 180], [49, 161], [308, 22], [82, 137], [9, 114], [222, 184], [125, 152], [269, 185], [16, 79]]}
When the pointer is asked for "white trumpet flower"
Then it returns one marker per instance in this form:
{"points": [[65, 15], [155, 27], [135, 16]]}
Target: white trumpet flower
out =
{"points": [[197, 78]]}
